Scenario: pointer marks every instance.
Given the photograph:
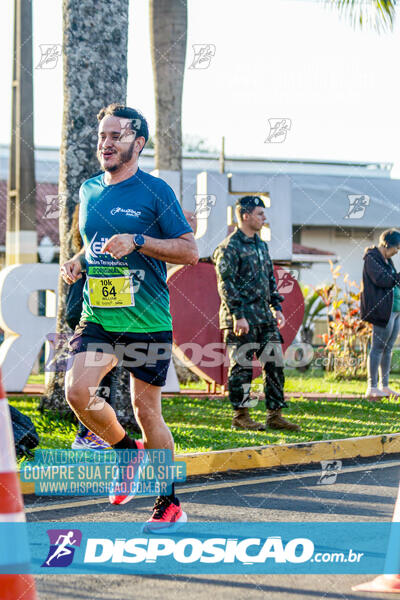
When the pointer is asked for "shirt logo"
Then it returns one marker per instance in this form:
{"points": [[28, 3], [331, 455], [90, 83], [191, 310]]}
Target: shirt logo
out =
{"points": [[129, 212], [94, 247]]}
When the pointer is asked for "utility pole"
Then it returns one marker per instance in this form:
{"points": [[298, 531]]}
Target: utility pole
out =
{"points": [[21, 234], [222, 156]]}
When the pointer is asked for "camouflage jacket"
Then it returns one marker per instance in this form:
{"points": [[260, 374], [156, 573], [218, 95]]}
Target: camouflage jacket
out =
{"points": [[246, 282]]}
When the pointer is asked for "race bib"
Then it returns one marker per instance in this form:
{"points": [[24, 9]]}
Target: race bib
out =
{"points": [[111, 292]]}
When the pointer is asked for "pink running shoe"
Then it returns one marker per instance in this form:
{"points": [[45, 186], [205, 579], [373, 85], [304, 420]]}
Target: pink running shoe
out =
{"points": [[123, 486], [166, 514]]}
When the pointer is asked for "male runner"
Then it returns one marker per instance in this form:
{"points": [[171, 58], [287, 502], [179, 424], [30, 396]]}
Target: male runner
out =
{"points": [[131, 224]]}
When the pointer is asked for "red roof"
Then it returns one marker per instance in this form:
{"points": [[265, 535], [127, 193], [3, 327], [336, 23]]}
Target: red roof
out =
{"points": [[300, 249], [44, 225]]}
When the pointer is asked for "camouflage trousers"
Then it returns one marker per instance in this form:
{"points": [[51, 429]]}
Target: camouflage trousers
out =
{"points": [[263, 341]]}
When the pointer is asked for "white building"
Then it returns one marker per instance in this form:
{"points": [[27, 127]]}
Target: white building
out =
{"points": [[318, 199]]}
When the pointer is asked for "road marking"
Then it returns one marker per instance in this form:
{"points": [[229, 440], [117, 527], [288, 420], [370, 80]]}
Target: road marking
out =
{"points": [[205, 487]]}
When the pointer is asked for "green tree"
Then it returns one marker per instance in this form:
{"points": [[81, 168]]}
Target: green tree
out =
{"points": [[378, 14]]}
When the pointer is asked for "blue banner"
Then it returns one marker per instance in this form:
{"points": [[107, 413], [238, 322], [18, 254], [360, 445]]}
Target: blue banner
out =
{"points": [[304, 548]]}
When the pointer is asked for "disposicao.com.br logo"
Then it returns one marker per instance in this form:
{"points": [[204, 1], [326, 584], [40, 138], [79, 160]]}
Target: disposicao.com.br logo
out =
{"points": [[190, 550], [208, 547]]}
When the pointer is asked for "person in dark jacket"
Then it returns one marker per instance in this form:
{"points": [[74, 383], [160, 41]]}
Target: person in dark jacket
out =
{"points": [[380, 305]]}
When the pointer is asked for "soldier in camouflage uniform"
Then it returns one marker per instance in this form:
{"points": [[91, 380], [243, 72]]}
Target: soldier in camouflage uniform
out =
{"points": [[247, 287]]}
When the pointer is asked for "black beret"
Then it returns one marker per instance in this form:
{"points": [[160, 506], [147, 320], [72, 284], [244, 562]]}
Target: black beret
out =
{"points": [[250, 202]]}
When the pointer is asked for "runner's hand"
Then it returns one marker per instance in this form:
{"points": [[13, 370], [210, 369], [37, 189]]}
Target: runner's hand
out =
{"points": [[119, 245], [240, 326], [71, 270]]}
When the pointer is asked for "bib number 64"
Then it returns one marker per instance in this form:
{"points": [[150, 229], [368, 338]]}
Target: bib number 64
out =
{"points": [[108, 292]]}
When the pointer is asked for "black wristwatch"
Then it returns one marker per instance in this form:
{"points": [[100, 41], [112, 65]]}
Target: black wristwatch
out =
{"points": [[138, 241]]}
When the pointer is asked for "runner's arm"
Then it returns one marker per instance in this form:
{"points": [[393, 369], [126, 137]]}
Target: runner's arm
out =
{"points": [[178, 251], [71, 270]]}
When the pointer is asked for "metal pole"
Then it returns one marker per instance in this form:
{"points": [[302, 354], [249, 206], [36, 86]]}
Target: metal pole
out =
{"points": [[222, 157]]}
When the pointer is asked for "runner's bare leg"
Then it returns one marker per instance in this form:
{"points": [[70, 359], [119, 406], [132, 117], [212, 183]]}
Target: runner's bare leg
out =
{"points": [[146, 399], [99, 417]]}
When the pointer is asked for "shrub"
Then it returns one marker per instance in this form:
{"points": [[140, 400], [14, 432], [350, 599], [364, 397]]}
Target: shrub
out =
{"points": [[347, 340]]}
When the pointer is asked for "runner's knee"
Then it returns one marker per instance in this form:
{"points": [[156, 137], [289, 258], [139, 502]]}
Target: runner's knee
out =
{"points": [[77, 395], [147, 417]]}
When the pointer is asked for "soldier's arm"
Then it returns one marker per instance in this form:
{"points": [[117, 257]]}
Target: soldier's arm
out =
{"points": [[275, 297], [226, 262]]}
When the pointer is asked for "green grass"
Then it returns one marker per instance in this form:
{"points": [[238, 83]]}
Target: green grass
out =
{"points": [[316, 380], [53, 431], [200, 424], [195, 385], [36, 379], [192, 385], [313, 380], [395, 367]]}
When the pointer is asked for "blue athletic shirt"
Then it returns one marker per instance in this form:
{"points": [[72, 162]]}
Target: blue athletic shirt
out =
{"points": [[141, 204]]}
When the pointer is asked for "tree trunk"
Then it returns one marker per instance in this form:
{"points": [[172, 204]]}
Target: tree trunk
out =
{"points": [[95, 41], [168, 31]]}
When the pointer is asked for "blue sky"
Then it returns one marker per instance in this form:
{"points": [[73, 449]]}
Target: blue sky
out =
{"points": [[289, 59]]}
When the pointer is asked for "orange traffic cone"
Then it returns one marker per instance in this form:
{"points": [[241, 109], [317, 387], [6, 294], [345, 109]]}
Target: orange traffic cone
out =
{"points": [[386, 583], [11, 505]]}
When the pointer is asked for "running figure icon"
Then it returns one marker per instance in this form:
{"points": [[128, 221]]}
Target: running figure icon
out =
{"points": [[62, 549]]}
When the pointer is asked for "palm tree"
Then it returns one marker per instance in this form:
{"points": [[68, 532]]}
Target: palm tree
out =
{"points": [[168, 32], [378, 14], [95, 43]]}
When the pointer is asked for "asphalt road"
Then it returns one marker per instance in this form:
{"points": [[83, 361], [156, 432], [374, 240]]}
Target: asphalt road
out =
{"points": [[363, 491]]}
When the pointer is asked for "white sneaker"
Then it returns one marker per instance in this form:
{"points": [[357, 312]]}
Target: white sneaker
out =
{"points": [[373, 394], [387, 392]]}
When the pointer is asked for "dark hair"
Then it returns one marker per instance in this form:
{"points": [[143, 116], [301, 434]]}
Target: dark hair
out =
{"points": [[138, 122], [247, 204], [390, 238]]}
